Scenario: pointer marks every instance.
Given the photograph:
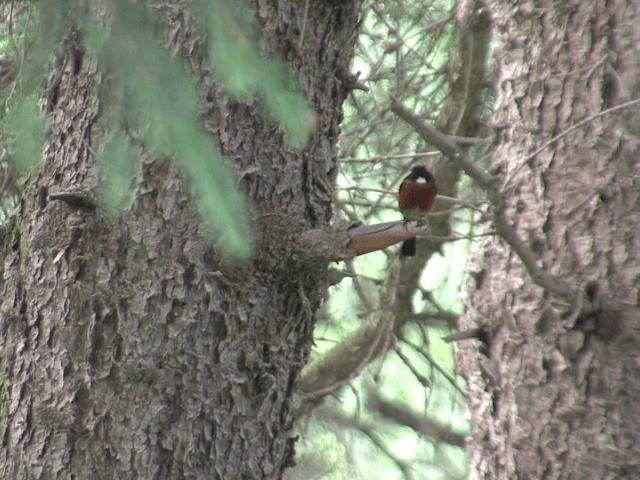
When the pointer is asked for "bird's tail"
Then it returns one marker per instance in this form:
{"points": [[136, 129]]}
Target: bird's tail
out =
{"points": [[408, 248]]}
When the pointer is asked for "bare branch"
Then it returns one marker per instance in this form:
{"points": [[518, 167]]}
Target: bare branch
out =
{"points": [[442, 142], [471, 334], [569, 130], [502, 223], [348, 239], [579, 124], [422, 351], [370, 430], [434, 431], [346, 360], [377, 158]]}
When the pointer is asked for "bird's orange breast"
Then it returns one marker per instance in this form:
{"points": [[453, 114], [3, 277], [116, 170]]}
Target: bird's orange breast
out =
{"points": [[417, 196]]}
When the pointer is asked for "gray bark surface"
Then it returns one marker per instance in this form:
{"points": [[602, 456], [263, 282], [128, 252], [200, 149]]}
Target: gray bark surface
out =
{"points": [[553, 393], [132, 349]]}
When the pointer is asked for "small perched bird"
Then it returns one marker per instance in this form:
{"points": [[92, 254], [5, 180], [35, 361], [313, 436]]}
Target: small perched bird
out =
{"points": [[417, 194]]}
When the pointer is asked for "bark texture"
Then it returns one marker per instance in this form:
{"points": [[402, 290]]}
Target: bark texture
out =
{"points": [[555, 394], [131, 349]]}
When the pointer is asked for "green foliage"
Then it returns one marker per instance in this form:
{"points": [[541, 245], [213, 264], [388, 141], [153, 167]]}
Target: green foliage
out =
{"points": [[234, 52], [152, 90], [24, 128], [148, 89], [49, 34], [117, 165], [22, 124]]}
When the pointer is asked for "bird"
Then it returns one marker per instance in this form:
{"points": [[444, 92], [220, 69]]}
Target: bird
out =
{"points": [[416, 196]]}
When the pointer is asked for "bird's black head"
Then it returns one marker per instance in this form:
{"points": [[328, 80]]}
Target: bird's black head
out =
{"points": [[420, 171]]}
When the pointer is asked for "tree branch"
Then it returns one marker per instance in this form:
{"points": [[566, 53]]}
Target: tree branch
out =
{"points": [[503, 226], [436, 432], [347, 359], [349, 239]]}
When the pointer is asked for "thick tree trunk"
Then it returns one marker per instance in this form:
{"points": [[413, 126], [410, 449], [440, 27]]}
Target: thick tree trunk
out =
{"points": [[555, 393], [130, 348]]}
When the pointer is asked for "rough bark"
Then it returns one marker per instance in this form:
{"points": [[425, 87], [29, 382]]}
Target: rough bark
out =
{"points": [[130, 348], [554, 393]]}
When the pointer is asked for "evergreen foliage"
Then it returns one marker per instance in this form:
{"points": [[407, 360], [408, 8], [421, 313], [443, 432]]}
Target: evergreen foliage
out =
{"points": [[234, 34], [24, 130], [148, 89]]}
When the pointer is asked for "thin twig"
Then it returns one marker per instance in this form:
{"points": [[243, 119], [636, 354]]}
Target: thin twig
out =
{"points": [[579, 124], [567, 132], [422, 351], [502, 223], [387, 157]]}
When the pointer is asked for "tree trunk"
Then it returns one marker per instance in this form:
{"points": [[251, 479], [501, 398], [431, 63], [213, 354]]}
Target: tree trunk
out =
{"points": [[130, 348], [555, 392]]}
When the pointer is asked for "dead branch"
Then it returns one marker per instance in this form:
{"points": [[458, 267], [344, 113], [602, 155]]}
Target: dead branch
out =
{"points": [[349, 239]]}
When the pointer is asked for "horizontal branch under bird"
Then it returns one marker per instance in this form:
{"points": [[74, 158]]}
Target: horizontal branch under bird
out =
{"points": [[503, 225], [349, 239]]}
